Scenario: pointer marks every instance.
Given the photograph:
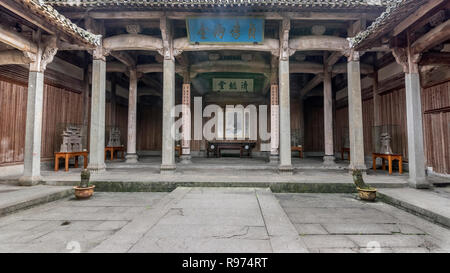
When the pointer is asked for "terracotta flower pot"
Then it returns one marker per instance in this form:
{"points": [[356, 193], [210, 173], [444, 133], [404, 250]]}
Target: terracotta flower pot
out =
{"points": [[367, 194], [84, 193]]}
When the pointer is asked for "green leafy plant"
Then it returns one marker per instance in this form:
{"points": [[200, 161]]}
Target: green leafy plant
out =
{"points": [[85, 177], [358, 179]]}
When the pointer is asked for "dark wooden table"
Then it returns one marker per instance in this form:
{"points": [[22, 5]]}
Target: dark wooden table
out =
{"points": [[115, 149], [345, 150], [243, 146], [389, 158], [298, 149], [67, 156]]}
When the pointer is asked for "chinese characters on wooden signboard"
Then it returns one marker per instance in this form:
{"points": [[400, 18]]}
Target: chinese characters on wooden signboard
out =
{"points": [[225, 30], [232, 85]]}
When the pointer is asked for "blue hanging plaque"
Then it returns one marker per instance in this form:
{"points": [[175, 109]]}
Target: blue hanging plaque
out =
{"points": [[220, 30]]}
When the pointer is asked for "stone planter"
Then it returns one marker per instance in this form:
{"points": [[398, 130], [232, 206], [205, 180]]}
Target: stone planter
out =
{"points": [[84, 193], [367, 194]]}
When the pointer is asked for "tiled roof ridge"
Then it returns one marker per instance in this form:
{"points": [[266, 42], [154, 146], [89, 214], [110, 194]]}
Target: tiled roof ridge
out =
{"points": [[47, 11], [221, 3], [383, 19]]}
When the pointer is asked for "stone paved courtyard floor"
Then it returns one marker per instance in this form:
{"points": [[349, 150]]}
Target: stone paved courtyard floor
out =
{"points": [[219, 220]]}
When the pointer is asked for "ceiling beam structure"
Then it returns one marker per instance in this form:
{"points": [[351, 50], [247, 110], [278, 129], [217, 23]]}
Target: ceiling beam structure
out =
{"points": [[432, 38]]}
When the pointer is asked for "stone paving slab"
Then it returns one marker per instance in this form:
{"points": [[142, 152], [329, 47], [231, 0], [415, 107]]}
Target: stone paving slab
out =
{"points": [[192, 226], [342, 223], [72, 225], [182, 221]]}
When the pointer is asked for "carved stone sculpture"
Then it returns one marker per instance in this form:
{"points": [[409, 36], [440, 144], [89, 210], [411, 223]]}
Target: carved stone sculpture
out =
{"points": [[114, 137], [385, 140], [71, 140]]}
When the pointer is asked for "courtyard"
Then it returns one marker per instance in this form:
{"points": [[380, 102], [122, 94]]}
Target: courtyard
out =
{"points": [[201, 219]]}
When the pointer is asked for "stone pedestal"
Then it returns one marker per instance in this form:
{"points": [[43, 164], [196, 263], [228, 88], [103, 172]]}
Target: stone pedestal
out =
{"points": [[32, 151], [97, 131]]}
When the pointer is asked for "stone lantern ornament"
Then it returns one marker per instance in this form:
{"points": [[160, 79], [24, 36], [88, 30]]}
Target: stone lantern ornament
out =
{"points": [[385, 140]]}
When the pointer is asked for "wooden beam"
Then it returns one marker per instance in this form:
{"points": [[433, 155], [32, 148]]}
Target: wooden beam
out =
{"points": [[316, 42], [150, 15], [333, 58], [311, 84], [13, 57], [229, 65], [305, 67], [132, 42], [415, 16], [341, 68], [17, 41], [25, 14], [435, 58], [182, 44], [124, 57], [149, 68], [432, 38]]}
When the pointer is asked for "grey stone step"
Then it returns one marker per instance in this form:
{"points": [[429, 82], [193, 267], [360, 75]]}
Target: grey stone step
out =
{"points": [[13, 198], [428, 204]]}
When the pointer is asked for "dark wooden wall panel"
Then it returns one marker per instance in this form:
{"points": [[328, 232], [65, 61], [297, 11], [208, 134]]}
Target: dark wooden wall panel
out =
{"points": [[436, 119], [60, 106]]}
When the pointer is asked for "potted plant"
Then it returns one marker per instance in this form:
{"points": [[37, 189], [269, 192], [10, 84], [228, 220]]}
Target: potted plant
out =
{"points": [[85, 189], [365, 192]]}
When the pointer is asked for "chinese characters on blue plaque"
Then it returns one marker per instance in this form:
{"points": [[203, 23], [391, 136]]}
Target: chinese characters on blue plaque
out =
{"points": [[225, 30]]}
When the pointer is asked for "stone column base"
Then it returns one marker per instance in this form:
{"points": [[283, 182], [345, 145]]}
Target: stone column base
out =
{"points": [[29, 180], [329, 160], [419, 183], [285, 169], [96, 167], [167, 169], [362, 167], [274, 159], [185, 159], [131, 158]]}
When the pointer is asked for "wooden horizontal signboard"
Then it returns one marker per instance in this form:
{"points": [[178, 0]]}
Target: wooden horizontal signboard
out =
{"points": [[211, 30], [232, 85]]}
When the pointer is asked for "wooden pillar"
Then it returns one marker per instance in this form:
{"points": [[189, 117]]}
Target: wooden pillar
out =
{"points": [[284, 99], [328, 158], [132, 156], [416, 154], [168, 134], [356, 132], [97, 130], [33, 131]]}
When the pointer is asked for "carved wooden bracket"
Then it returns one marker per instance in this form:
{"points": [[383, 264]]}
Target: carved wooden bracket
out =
{"points": [[352, 55], [409, 62], [100, 53], [46, 52], [401, 58]]}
